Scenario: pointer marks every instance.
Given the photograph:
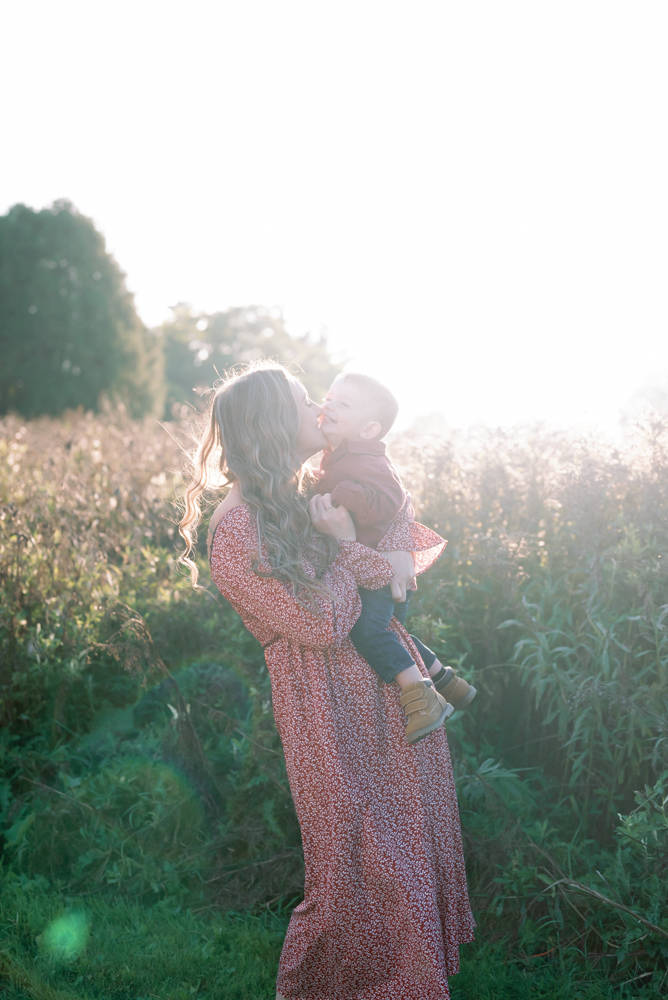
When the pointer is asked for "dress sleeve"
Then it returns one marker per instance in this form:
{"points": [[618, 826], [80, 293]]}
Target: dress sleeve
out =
{"points": [[272, 603], [369, 568], [405, 533]]}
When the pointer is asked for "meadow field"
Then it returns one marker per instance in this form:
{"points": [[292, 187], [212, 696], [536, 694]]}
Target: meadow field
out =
{"points": [[149, 843]]}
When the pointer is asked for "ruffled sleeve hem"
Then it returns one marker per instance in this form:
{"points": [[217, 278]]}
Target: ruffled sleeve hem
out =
{"points": [[405, 533]]}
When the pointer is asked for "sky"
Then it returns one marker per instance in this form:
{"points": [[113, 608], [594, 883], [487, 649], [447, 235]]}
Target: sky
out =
{"points": [[471, 199]]}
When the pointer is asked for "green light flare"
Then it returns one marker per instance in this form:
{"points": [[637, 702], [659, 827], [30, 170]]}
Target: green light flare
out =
{"points": [[66, 937]]}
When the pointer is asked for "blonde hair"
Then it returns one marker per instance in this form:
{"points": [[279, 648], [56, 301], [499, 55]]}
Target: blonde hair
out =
{"points": [[382, 405], [250, 438]]}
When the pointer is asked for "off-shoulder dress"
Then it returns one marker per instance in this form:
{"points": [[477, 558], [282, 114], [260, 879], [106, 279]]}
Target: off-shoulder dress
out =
{"points": [[385, 901]]}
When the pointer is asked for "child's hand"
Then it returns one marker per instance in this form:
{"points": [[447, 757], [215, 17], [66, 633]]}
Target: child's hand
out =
{"points": [[404, 573], [329, 520]]}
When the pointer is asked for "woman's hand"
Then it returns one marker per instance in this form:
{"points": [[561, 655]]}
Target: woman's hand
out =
{"points": [[329, 520], [404, 573]]}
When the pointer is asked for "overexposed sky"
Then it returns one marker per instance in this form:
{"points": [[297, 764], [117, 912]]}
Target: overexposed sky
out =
{"points": [[471, 196]]}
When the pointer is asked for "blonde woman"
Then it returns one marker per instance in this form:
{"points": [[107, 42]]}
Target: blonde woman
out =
{"points": [[385, 902]]}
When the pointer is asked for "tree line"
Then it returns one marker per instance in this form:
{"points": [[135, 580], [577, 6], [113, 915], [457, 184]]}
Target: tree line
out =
{"points": [[70, 334]]}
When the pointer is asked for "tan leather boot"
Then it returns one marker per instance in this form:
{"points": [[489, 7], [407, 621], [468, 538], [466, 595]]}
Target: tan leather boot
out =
{"points": [[455, 689], [426, 710]]}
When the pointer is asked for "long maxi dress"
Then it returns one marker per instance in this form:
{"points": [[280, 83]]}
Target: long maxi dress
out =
{"points": [[385, 901]]}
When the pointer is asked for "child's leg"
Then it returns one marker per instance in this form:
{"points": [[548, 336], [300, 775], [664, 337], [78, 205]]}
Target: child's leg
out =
{"points": [[453, 688], [425, 709], [429, 658], [380, 647]]}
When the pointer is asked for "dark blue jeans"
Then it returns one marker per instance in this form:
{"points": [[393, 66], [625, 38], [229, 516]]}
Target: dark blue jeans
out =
{"points": [[381, 648]]}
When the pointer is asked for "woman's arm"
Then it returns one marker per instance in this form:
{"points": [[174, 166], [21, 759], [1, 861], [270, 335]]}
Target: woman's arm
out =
{"points": [[336, 521], [271, 601]]}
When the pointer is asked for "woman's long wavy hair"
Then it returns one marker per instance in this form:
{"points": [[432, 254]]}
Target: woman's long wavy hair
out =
{"points": [[251, 438]]}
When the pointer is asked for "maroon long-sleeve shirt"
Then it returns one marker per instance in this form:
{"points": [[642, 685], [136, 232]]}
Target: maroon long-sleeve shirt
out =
{"points": [[360, 477]]}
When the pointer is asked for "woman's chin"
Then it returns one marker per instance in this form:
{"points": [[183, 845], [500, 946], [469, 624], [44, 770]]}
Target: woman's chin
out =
{"points": [[314, 447]]}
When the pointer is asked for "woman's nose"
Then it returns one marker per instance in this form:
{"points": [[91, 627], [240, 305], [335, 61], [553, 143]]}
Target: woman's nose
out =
{"points": [[318, 409]]}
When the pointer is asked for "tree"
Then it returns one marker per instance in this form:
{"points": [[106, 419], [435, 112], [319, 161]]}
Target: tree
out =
{"points": [[200, 346], [69, 331]]}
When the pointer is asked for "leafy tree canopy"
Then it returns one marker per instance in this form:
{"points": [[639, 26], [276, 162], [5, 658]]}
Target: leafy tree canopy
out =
{"points": [[200, 346], [69, 331]]}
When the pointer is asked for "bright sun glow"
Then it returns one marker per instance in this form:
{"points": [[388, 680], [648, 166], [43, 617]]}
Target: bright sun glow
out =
{"points": [[470, 197]]}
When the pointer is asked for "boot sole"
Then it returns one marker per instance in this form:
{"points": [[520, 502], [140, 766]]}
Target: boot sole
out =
{"points": [[433, 726], [467, 699]]}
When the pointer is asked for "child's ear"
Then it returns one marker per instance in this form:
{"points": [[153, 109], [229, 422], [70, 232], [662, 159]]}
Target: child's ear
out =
{"points": [[371, 431]]}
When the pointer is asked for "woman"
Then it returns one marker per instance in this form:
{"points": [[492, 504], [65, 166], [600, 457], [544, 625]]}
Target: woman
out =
{"points": [[385, 903]]}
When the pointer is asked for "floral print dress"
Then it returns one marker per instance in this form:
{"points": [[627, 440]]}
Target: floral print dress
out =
{"points": [[385, 902]]}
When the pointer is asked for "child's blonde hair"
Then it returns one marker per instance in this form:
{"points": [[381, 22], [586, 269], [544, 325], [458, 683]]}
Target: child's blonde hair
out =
{"points": [[383, 406]]}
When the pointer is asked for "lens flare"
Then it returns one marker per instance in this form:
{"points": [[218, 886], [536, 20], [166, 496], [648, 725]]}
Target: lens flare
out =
{"points": [[66, 937]]}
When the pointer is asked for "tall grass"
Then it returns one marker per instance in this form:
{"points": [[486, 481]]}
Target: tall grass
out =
{"points": [[140, 767], [553, 595]]}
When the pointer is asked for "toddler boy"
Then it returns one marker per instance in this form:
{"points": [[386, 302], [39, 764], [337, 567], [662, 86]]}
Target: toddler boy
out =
{"points": [[358, 412]]}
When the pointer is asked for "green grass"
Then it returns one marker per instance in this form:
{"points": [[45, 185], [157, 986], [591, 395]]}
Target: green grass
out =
{"points": [[488, 974], [133, 952], [55, 948]]}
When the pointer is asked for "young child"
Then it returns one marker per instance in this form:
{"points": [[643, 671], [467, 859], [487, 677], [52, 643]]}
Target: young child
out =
{"points": [[358, 412]]}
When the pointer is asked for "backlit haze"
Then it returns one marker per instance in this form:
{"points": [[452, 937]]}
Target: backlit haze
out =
{"points": [[470, 197]]}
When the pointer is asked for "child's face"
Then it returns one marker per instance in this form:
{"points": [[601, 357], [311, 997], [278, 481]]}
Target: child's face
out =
{"points": [[310, 438], [346, 416]]}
